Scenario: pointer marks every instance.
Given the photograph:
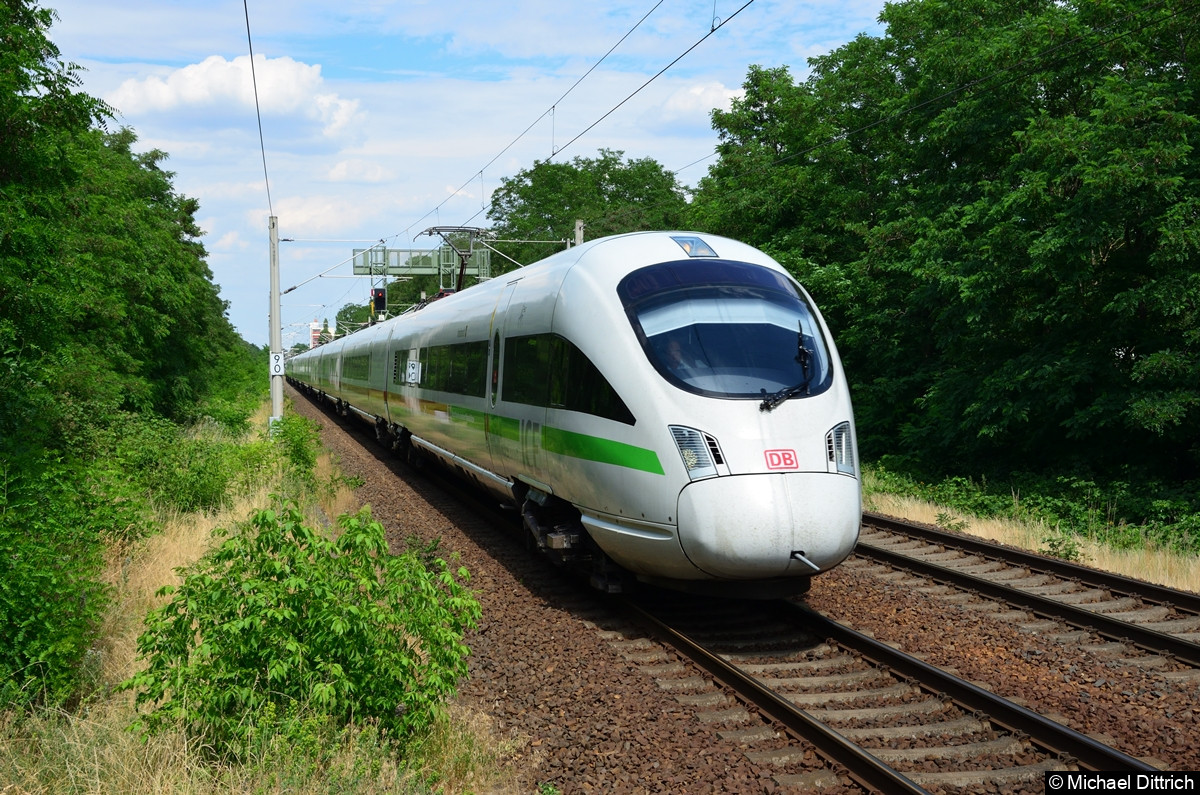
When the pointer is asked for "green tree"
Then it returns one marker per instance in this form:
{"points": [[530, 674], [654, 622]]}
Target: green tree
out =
{"points": [[143, 301], [403, 294], [351, 318], [609, 194], [50, 597], [996, 205], [108, 320], [40, 114]]}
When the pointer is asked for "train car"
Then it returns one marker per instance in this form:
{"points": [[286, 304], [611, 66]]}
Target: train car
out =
{"points": [[665, 407]]}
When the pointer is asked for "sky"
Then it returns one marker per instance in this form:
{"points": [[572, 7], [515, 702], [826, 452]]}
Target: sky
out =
{"points": [[382, 119]]}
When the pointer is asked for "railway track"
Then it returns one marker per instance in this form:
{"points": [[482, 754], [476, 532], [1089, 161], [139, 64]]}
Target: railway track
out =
{"points": [[1116, 615], [786, 680], [886, 720], [615, 729]]}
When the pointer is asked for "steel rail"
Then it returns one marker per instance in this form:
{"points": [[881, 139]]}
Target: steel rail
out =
{"points": [[1112, 628], [1126, 586], [864, 767], [1055, 737]]}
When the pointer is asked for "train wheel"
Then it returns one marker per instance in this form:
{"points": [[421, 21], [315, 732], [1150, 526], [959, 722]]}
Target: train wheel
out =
{"points": [[608, 577], [415, 458], [381, 433]]}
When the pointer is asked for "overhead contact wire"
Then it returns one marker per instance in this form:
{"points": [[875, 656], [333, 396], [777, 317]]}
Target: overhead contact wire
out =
{"points": [[257, 112], [534, 123], [659, 74]]}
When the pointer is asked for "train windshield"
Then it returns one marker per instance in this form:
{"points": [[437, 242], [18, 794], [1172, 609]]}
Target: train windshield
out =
{"points": [[727, 329]]}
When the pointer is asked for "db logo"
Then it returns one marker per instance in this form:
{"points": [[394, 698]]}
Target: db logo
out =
{"points": [[781, 459]]}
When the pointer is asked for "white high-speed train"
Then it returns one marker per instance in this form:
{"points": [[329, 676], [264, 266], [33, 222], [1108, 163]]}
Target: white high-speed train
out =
{"points": [[668, 402]]}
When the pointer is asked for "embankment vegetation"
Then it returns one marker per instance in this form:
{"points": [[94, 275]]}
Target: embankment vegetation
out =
{"points": [[269, 654], [119, 372]]}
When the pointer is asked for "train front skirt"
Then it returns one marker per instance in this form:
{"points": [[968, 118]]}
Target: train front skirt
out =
{"points": [[769, 525]]}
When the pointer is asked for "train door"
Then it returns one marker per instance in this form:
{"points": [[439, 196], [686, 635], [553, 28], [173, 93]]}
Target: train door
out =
{"points": [[500, 430]]}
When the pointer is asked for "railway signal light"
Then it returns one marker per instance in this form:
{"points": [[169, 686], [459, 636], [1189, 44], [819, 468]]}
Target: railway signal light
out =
{"points": [[378, 300]]}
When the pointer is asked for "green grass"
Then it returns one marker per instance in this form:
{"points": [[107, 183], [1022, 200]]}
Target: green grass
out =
{"points": [[1113, 513]]}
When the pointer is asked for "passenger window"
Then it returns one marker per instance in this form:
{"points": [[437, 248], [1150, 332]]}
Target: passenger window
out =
{"points": [[460, 368], [550, 371]]}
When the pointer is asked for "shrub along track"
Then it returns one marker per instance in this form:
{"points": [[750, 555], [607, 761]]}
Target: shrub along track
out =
{"points": [[595, 719]]}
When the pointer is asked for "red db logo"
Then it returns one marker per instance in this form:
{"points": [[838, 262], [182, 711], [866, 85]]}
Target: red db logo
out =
{"points": [[781, 459]]}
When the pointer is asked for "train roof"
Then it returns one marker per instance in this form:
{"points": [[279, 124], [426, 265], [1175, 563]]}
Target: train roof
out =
{"points": [[606, 259]]}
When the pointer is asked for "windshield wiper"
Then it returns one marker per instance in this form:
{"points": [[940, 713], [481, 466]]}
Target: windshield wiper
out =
{"points": [[804, 359], [771, 401]]}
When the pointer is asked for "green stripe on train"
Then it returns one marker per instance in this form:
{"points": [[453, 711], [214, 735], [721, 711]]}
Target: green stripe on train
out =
{"points": [[504, 427], [604, 451], [556, 440]]}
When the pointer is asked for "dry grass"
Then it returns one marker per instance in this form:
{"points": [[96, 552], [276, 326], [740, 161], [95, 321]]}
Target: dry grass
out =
{"points": [[1151, 564], [92, 751], [340, 498], [466, 755], [138, 574]]}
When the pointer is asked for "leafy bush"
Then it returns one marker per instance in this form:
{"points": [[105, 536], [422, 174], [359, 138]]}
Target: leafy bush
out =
{"points": [[254, 461], [232, 398], [950, 523], [300, 439], [194, 474], [283, 620], [1064, 546], [51, 596], [191, 469]]}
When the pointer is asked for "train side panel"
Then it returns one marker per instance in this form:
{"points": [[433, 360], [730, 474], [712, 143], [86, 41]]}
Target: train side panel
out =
{"points": [[438, 360]]}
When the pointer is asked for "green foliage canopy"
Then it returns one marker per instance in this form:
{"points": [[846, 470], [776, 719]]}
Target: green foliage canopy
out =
{"points": [[352, 317], [996, 206], [609, 194], [109, 321]]}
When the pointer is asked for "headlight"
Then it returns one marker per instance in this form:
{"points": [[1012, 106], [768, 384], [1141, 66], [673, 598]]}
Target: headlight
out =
{"points": [[700, 452], [839, 448]]}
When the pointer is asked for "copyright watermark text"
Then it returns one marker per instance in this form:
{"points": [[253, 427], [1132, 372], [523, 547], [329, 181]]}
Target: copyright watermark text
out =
{"points": [[1083, 781]]}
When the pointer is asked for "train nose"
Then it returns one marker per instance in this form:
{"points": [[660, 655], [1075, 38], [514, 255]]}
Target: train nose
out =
{"points": [[769, 525]]}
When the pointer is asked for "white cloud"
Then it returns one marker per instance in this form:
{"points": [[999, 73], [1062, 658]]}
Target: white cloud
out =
{"points": [[356, 170], [324, 214], [285, 87], [230, 241], [692, 106], [462, 193], [240, 191]]}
